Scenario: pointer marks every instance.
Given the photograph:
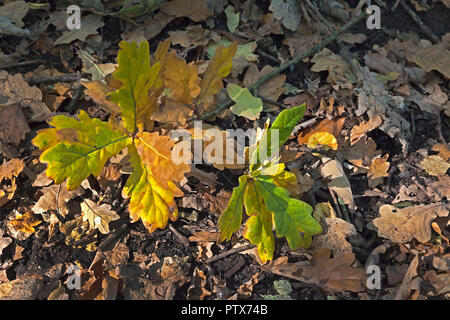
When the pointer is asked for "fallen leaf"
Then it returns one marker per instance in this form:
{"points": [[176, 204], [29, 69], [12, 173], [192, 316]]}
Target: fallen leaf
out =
{"points": [[90, 25], [287, 11], [378, 170], [246, 105], [99, 217], [13, 125], [333, 170], [359, 131], [336, 237], [196, 10], [26, 222], [435, 165], [403, 225], [332, 274], [16, 91]]}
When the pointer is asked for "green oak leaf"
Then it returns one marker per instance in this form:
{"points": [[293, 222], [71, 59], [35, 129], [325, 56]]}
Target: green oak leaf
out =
{"points": [[231, 218], [292, 217]]}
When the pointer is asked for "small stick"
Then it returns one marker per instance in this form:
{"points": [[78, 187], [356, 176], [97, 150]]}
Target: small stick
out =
{"points": [[439, 129], [229, 252], [60, 78], [288, 63], [419, 22], [180, 237], [22, 64]]}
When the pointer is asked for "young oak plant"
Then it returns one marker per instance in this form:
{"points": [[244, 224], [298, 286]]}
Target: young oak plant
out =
{"points": [[73, 148], [265, 192]]}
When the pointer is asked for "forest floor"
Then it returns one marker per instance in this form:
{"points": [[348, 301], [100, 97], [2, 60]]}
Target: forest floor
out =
{"points": [[382, 200]]}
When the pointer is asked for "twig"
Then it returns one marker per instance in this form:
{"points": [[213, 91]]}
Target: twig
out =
{"points": [[228, 253], [60, 78], [78, 91], [439, 129], [419, 22], [22, 64], [344, 51], [288, 63], [180, 237]]}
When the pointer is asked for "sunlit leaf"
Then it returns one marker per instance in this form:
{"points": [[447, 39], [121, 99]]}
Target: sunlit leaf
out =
{"points": [[138, 78], [74, 149]]}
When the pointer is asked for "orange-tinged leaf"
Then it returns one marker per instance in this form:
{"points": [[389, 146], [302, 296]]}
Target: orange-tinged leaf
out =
{"points": [[25, 222], [181, 78], [219, 67], [11, 168], [156, 154], [333, 126], [150, 202]]}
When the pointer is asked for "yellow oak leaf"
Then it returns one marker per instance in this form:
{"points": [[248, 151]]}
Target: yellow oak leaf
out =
{"points": [[325, 139], [150, 202], [435, 165]]}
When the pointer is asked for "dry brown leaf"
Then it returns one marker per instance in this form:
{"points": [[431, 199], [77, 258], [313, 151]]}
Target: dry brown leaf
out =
{"points": [[435, 165], [361, 153], [13, 125], [431, 57], [444, 151], [359, 131], [204, 236], [99, 217], [439, 189], [378, 170], [10, 169], [335, 238], [16, 91], [181, 78], [25, 223], [270, 89], [333, 171], [403, 225], [196, 10], [55, 198], [332, 274], [172, 113], [109, 176], [98, 91]]}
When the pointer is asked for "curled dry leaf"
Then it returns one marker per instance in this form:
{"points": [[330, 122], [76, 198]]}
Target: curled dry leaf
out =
{"points": [[333, 171], [26, 222], [335, 238], [359, 131], [55, 199], [403, 225], [378, 170]]}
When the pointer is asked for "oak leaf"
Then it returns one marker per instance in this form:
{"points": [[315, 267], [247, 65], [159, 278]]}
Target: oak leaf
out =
{"points": [[75, 149], [26, 222], [99, 217], [402, 225]]}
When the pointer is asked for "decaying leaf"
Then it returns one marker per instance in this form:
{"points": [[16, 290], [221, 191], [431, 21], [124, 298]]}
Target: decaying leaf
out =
{"points": [[333, 170], [435, 165], [335, 238], [402, 225], [332, 274], [26, 222]]}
